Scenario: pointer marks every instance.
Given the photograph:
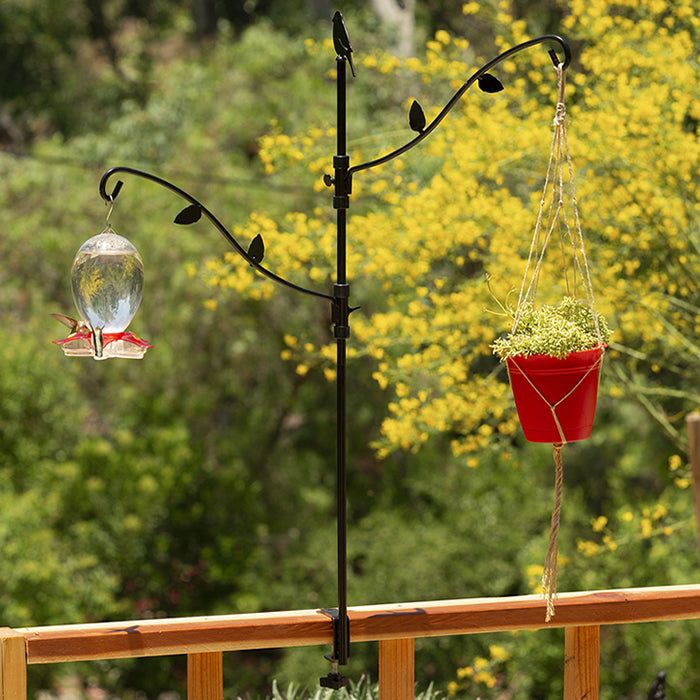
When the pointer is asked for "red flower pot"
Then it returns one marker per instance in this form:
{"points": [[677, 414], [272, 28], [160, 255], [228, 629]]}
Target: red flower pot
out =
{"points": [[556, 398]]}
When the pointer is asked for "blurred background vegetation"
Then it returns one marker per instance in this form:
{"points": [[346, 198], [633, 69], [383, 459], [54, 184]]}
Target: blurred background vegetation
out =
{"points": [[201, 480]]}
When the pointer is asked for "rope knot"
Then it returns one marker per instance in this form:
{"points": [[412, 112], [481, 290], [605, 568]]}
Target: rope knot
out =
{"points": [[560, 114]]}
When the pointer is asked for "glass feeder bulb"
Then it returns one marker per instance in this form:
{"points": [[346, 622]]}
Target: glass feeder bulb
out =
{"points": [[107, 281]]}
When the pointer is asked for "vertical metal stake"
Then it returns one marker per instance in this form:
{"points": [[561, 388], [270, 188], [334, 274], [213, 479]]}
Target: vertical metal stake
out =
{"points": [[341, 332]]}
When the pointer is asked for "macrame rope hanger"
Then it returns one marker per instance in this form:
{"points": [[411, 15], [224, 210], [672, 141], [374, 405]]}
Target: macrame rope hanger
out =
{"points": [[553, 222]]}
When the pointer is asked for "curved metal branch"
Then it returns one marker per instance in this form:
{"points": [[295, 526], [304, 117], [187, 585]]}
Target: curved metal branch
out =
{"points": [[110, 197], [484, 69]]}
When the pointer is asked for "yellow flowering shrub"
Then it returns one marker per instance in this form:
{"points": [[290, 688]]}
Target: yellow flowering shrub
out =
{"points": [[650, 540], [431, 225], [482, 674], [658, 520]]}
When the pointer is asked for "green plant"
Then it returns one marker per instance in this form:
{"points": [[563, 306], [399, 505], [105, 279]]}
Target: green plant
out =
{"points": [[361, 689], [553, 330]]}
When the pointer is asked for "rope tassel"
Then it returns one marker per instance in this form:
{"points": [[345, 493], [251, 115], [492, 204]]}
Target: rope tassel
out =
{"points": [[549, 575]]}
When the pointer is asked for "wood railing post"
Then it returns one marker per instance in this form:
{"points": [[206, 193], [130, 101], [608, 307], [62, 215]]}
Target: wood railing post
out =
{"points": [[13, 665], [396, 669], [205, 676], [692, 422], [582, 663]]}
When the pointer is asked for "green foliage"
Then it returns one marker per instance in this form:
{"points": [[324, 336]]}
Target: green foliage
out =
{"points": [[46, 576], [361, 689], [553, 330], [77, 46]]}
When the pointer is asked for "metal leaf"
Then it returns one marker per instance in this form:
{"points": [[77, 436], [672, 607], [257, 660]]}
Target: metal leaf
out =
{"points": [[416, 117], [256, 251], [189, 215], [489, 83]]}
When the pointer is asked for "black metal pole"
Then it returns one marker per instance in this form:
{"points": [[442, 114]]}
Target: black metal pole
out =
{"points": [[342, 181], [341, 331], [341, 202]]}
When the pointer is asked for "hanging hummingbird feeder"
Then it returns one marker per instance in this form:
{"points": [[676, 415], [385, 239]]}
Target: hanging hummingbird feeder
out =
{"points": [[107, 282]]}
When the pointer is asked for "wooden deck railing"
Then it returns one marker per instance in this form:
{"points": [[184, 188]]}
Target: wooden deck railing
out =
{"points": [[395, 627]]}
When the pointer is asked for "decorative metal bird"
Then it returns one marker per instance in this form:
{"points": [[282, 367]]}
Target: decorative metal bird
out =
{"points": [[341, 40]]}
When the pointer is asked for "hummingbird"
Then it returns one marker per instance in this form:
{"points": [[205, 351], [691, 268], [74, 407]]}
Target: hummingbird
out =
{"points": [[341, 40], [83, 327], [74, 325]]}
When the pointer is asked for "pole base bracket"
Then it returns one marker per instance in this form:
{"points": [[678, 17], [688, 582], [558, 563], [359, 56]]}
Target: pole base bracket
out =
{"points": [[333, 680], [339, 653]]}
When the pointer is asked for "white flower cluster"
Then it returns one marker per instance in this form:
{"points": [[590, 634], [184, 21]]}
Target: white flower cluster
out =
{"points": [[553, 330]]}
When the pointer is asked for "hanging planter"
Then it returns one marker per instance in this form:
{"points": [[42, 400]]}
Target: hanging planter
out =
{"points": [[554, 354], [556, 398], [554, 361]]}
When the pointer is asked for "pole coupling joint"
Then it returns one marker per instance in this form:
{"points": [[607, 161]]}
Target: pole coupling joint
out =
{"points": [[342, 182], [341, 311]]}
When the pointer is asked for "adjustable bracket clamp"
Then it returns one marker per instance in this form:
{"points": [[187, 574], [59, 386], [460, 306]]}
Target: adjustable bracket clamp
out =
{"points": [[339, 652]]}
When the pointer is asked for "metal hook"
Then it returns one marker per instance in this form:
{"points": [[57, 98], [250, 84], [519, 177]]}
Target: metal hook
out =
{"points": [[109, 198], [109, 213]]}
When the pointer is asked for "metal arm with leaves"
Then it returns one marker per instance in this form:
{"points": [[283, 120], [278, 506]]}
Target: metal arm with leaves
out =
{"points": [[486, 83], [192, 213]]}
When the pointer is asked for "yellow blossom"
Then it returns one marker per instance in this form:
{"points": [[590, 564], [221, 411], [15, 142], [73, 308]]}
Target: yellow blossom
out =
{"points": [[659, 512], [674, 462], [480, 663], [498, 653], [485, 678], [587, 547], [599, 523]]}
